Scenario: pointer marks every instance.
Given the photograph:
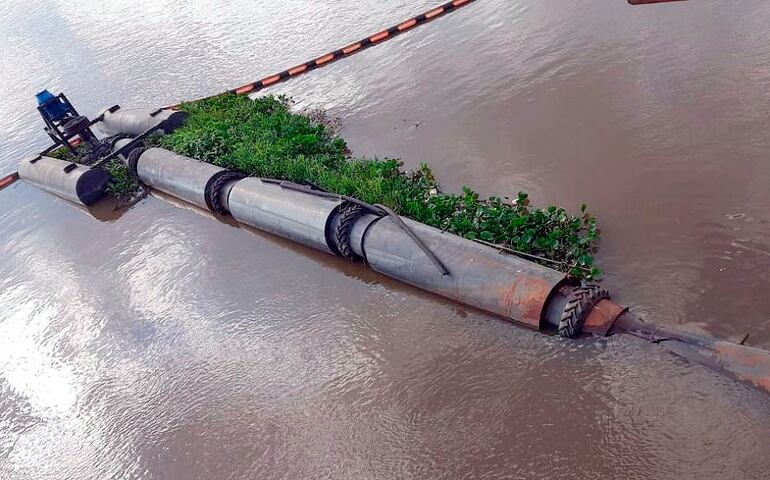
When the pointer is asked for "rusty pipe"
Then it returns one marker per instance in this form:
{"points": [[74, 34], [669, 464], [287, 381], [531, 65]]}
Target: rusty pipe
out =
{"points": [[747, 364], [476, 275]]}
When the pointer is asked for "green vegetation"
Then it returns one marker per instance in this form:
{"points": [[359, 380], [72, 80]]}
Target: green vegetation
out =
{"points": [[264, 138], [63, 153], [123, 185]]}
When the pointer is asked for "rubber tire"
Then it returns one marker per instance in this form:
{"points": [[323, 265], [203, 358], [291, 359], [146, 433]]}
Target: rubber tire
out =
{"points": [[347, 216], [215, 185], [580, 302]]}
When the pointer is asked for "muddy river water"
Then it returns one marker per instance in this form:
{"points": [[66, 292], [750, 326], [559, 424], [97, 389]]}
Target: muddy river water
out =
{"points": [[167, 344]]}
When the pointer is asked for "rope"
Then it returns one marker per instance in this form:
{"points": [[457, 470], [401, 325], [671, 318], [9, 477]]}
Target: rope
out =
{"points": [[343, 52]]}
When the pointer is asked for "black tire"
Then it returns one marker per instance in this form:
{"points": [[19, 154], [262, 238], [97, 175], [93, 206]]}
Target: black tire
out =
{"points": [[214, 188], [581, 301], [132, 159], [347, 216]]}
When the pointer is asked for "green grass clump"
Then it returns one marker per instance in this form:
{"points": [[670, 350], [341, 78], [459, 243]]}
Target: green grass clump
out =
{"points": [[264, 138]]}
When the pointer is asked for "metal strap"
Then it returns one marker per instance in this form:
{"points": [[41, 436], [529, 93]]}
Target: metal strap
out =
{"points": [[416, 239], [378, 209]]}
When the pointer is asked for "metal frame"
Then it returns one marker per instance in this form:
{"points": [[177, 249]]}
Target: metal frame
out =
{"points": [[53, 128]]}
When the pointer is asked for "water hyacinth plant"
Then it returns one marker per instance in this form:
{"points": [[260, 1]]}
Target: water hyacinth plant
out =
{"points": [[263, 137]]}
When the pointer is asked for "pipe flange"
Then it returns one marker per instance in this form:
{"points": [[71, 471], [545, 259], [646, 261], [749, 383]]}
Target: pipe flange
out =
{"points": [[214, 188], [132, 159], [342, 227], [580, 302]]}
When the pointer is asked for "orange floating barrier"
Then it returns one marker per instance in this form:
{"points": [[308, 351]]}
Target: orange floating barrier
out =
{"points": [[407, 25], [244, 89], [379, 36], [325, 59], [351, 48], [434, 13], [298, 69], [270, 80]]}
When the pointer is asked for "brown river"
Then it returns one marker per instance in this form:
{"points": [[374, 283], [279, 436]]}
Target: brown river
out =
{"points": [[165, 344]]}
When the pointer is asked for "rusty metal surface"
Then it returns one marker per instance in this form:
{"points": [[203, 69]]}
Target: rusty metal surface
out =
{"points": [[746, 364], [602, 317], [479, 276], [742, 362]]}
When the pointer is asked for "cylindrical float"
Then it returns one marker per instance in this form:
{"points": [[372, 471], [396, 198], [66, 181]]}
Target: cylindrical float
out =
{"points": [[74, 182], [197, 182], [294, 215], [478, 276], [135, 121]]}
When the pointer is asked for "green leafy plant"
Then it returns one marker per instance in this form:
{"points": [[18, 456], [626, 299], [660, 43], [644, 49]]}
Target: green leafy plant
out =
{"points": [[264, 138], [63, 153], [122, 184]]}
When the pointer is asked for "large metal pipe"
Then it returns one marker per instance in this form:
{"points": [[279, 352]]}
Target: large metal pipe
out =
{"points": [[74, 182], [290, 214], [439, 262], [177, 175], [188, 179], [478, 276], [135, 121], [481, 277]]}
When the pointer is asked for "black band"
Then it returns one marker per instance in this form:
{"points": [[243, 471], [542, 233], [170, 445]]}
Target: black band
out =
{"points": [[214, 187], [133, 159]]}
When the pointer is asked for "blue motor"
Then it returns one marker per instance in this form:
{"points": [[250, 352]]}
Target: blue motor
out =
{"points": [[64, 124], [55, 108]]}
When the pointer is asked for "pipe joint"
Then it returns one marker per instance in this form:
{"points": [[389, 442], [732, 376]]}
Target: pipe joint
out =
{"points": [[215, 187], [580, 303], [340, 229]]}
